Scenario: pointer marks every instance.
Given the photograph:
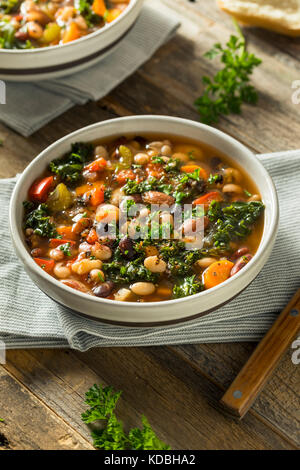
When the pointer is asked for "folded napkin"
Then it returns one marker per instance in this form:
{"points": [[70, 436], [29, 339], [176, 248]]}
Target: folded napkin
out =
{"points": [[31, 106], [28, 318]]}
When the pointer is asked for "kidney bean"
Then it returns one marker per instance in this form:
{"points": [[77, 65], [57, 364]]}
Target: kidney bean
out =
{"points": [[104, 289], [36, 252], [156, 197], [241, 262], [244, 250], [126, 248]]}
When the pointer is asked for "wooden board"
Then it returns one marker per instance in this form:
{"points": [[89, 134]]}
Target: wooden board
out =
{"points": [[178, 388]]}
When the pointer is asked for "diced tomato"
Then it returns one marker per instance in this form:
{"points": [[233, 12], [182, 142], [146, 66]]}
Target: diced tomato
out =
{"points": [[208, 198], [97, 165], [66, 232], [155, 169], [124, 175], [40, 189], [55, 242], [92, 236], [46, 264], [191, 168]]}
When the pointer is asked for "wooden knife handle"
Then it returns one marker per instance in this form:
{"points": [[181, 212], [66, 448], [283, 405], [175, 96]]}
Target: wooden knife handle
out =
{"points": [[254, 375]]}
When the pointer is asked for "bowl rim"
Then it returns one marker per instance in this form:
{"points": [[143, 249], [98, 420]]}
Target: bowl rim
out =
{"points": [[23, 254], [107, 27]]}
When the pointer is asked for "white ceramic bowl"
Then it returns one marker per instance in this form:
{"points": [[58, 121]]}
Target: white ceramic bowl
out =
{"points": [[56, 61], [158, 312]]}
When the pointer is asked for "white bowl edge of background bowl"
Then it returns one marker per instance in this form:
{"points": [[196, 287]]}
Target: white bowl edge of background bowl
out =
{"points": [[164, 311], [72, 51]]}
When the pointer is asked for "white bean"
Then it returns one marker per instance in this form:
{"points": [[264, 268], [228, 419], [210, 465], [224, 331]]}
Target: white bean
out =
{"points": [[84, 266], [166, 150], [102, 252], [143, 288], [100, 151], [56, 254], [117, 196], [232, 188], [181, 156], [123, 294], [155, 264], [232, 175], [254, 197], [205, 262], [157, 145], [97, 275], [61, 271], [107, 213], [141, 158]]}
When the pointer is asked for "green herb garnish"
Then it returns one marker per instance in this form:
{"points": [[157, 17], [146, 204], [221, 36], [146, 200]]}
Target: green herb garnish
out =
{"points": [[102, 402], [39, 220], [230, 88]]}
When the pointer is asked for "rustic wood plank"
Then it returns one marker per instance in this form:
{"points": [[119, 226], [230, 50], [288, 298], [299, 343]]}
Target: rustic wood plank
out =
{"points": [[30, 425], [62, 377], [221, 364]]}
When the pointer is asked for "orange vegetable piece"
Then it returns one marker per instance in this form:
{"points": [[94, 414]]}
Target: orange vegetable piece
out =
{"points": [[46, 264], [72, 32], [208, 198], [191, 168], [113, 14], [97, 165], [81, 190], [124, 175], [92, 236], [66, 232], [155, 169], [217, 273], [95, 196], [99, 7], [55, 242]]}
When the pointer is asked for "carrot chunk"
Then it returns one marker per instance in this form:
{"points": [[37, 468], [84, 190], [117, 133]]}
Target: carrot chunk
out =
{"points": [[113, 14], [208, 198], [96, 165], [217, 273], [46, 264], [99, 7], [66, 232], [192, 168], [72, 32], [92, 236]]}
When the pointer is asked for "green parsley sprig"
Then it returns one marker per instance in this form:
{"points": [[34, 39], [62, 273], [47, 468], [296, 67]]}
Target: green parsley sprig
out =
{"points": [[102, 402], [230, 87]]}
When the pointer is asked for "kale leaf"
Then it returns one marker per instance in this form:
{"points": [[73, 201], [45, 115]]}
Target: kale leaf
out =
{"points": [[234, 221], [188, 286], [39, 220], [70, 166]]}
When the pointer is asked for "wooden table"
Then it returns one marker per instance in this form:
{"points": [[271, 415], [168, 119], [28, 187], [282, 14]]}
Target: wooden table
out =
{"points": [[177, 388]]}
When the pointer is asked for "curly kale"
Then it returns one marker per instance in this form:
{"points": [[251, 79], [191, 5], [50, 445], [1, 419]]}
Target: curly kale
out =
{"points": [[234, 221], [124, 272], [188, 286], [39, 220], [70, 166]]}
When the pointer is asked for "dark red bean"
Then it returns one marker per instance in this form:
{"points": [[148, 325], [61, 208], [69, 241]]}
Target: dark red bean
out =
{"points": [[126, 248], [103, 290], [36, 252], [21, 35], [241, 262], [244, 250]]}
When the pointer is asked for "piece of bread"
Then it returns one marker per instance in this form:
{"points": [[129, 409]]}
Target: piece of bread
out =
{"points": [[282, 16]]}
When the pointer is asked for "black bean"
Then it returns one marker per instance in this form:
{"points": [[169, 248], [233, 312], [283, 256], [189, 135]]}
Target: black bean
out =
{"points": [[103, 290], [126, 248]]}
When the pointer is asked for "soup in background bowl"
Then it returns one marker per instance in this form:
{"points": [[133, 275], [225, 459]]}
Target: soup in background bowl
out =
{"points": [[85, 183]]}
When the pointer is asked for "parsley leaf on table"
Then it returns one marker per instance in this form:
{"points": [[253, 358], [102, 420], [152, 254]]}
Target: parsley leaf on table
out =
{"points": [[111, 436], [229, 88]]}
